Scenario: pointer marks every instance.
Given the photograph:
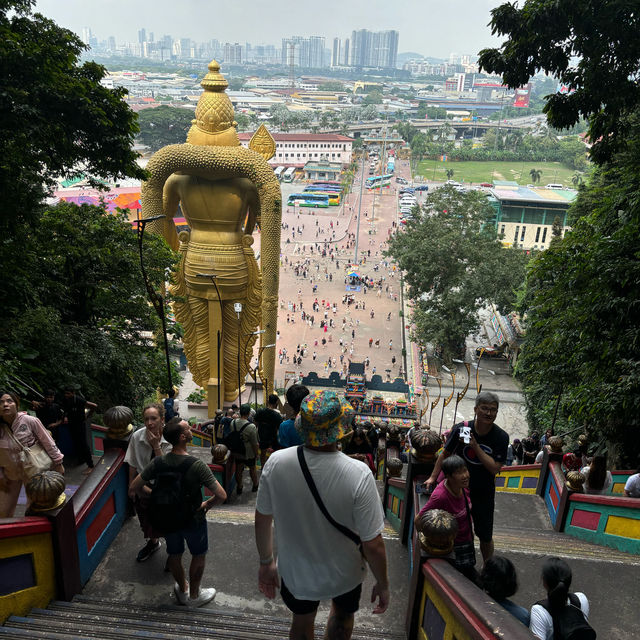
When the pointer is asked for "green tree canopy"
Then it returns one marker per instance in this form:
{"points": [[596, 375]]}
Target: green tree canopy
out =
{"points": [[454, 264], [56, 119], [76, 308], [331, 85], [591, 47], [583, 329], [373, 97], [164, 125]]}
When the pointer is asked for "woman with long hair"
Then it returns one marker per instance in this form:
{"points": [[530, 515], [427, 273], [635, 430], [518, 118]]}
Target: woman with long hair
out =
{"points": [[500, 580], [556, 579], [19, 430], [598, 478]]}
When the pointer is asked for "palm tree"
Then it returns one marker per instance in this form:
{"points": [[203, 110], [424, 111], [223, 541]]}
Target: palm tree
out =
{"points": [[449, 173], [535, 174], [577, 180]]}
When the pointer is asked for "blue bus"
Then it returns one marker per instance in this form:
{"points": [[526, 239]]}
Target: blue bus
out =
{"points": [[376, 182], [309, 199]]}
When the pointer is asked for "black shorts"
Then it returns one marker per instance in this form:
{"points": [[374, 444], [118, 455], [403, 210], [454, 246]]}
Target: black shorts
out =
{"points": [[347, 602], [482, 516]]}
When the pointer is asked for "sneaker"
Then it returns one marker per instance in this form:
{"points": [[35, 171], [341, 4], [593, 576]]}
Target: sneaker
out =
{"points": [[254, 488], [205, 595], [239, 490], [181, 596], [148, 550]]}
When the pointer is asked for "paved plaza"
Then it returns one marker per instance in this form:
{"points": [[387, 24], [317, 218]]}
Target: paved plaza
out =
{"points": [[318, 252]]}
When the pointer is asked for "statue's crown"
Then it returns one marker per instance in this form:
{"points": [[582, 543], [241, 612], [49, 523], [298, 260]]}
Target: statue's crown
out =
{"points": [[214, 112]]}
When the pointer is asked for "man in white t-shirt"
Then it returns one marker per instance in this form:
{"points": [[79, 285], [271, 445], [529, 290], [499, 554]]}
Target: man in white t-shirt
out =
{"points": [[316, 560], [632, 486]]}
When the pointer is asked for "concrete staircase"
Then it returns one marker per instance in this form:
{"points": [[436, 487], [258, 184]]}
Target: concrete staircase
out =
{"points": [[86, 618]]}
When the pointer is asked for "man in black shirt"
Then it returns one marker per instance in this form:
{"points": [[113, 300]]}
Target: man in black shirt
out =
{"points": [[485, 453], [75, 409], [268, 421], [49, 413]]}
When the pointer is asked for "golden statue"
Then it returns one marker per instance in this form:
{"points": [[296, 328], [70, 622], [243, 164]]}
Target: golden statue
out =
{"points": [[224, 191]]}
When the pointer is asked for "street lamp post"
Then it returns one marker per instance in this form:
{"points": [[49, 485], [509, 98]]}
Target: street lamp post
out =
{"points": [[237, 307], [156, 299], [255, 374], [212, 277]]}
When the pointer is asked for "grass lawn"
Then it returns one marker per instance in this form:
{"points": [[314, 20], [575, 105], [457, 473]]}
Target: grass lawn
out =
{"points": [[487, 171]]}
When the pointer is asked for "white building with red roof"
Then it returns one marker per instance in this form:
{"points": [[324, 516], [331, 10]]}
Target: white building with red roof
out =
{"points": [[296, 149]]}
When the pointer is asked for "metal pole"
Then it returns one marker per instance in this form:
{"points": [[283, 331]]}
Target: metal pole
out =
{"points": [[237, 307], [156, 299]]}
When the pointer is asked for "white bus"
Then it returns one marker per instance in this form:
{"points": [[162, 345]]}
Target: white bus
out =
{"points": [[289, 174], [278, 172]]}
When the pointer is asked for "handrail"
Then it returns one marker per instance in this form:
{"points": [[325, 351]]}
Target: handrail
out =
{"points": [[480, 616], [26, 526], [90, 491]]}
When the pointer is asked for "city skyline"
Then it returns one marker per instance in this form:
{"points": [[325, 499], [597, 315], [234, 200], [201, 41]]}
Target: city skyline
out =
{"points": [[425, 27]]}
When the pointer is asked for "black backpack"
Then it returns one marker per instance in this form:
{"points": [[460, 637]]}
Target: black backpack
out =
{"points": [[569, 622], [234, 441], [168, 409], [171, 507]]}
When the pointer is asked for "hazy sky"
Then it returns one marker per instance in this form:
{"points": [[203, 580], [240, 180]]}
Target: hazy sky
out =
{"points": [[430, 27]]}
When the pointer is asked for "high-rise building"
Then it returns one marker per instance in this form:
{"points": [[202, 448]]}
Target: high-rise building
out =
{"points": [[86, 35], [306, 52], [316, 52], [336, 53], [345, 52], [185, 47], [142, 35], [111, 44], [378, 49], [232, 53]]}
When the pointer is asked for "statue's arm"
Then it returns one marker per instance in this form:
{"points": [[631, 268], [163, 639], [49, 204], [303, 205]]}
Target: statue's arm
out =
{"points": [[170, 201], [254, 211]]}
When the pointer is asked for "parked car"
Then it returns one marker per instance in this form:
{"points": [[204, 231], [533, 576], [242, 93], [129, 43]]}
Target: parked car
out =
{"points": [[400, 180], [486, 184], [422, 187]]}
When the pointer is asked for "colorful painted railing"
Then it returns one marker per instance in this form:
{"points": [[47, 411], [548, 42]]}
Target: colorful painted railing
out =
{"points": [[619, 480], [555, 494], [394, 504], [97, 436], [100, 506], [608, 520], [201, 439], [518, 479], [453, 607], [27, 565]]}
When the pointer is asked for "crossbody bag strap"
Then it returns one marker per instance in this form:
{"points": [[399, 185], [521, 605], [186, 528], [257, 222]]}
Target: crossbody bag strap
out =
{"points": [[13, 437], [354, 537]]}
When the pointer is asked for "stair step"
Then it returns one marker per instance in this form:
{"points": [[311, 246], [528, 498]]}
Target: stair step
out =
{"points": [[19, 633], [125, 629], [207, 617], [177, 621], [101, 607]]}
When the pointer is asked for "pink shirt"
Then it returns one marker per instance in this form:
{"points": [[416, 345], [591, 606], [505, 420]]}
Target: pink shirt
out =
{"points": [[442, 498], [27, 430]]}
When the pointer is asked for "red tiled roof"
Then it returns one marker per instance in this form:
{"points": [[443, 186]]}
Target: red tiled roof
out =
{"points": [[302, 137]]}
